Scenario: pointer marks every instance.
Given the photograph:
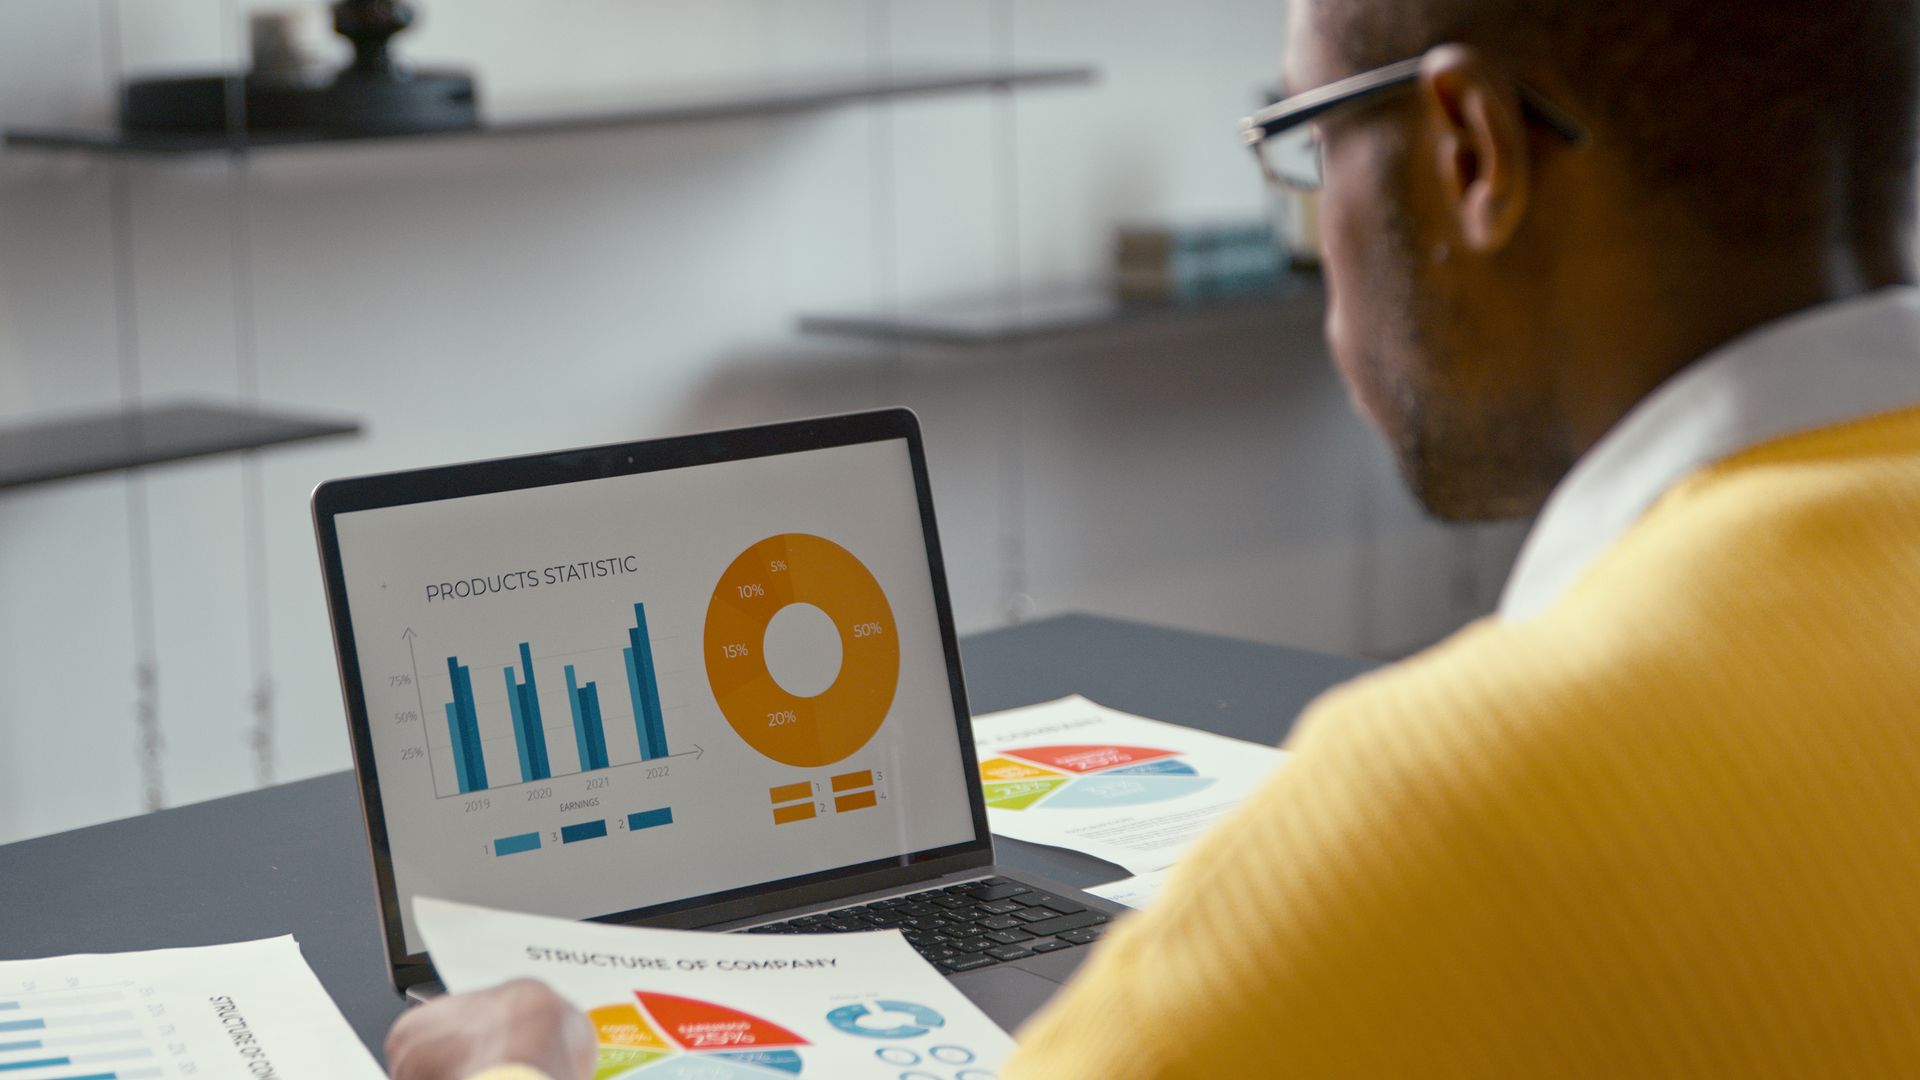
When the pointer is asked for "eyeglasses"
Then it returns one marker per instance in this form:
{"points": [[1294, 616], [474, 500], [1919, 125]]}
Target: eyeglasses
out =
{"points": [[1289, 152]]}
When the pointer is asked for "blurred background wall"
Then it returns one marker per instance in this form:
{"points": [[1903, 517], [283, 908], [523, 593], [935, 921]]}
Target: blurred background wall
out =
{"points": [[473, 297]]}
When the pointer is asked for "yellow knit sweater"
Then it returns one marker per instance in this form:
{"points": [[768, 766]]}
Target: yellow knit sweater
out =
{"points": [[1670, 828]]}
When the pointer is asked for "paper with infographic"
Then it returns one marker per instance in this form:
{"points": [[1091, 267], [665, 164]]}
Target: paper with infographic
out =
{"points": [[223, 1012], [1136, 792], [685, 1005], [1135, 892]]}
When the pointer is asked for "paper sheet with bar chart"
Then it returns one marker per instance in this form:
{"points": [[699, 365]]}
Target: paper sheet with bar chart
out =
{"points": [[592, 697], [223, 1012]]}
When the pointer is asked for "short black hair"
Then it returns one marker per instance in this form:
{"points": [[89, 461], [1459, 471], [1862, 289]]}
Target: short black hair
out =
{"points": [[1762, 118]]}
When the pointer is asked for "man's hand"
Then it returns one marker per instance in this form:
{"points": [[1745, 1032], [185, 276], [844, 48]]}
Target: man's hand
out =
{"points": [[518, 1023]]}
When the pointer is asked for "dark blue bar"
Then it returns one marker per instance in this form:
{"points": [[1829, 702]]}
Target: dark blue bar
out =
{"points": [[633, 693], [42, 1063], [530, 704], [586, 830], [647, 712], [596, 727], [647, 819], [514, 845], [469, 725], [515, 705], [23, 1025]]}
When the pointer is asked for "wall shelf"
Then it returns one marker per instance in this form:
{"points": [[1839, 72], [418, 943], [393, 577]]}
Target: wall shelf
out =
{"points": [[48, 450], [687, 105], [986, 321]]}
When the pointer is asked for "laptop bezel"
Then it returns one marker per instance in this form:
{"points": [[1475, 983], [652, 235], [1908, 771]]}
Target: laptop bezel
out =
{"points": [[433, 484]]}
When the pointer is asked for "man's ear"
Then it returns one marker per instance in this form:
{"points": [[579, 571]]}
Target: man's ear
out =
{"points": [[1478, 146]]}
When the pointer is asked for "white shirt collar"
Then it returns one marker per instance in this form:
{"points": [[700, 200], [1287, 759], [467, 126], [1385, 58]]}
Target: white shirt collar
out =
{"points": [[1824, 366]]}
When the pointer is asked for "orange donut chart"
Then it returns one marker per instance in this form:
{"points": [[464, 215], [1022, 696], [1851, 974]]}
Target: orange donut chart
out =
{"points": [[799, 568]]}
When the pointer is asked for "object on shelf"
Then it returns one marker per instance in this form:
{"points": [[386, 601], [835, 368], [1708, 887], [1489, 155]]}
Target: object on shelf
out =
{"points": [[1185, 263], [374, 95], [757, 98], [1045, 313], [47, 450]]}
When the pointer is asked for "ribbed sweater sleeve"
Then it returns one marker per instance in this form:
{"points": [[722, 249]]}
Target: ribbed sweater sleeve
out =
{"points": [[1671, 828]]}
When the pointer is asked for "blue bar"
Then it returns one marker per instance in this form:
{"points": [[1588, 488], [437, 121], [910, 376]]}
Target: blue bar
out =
{"points": [[579, 722], [527, 770], [530, 704], [596, 727], [586, 830], [646, 712], [42, 1063], [459, 750], [30, 1044], [647, 819], [469, 725], [639, 710], [514, 845], [6, 1006], [23, 1025]]}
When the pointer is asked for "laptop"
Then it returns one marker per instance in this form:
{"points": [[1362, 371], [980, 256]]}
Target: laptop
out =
{"points": [[701, 682]]}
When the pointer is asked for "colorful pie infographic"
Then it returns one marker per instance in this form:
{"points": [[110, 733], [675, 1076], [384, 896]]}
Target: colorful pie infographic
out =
{"points": [[1086, 777], [667, 1037]]}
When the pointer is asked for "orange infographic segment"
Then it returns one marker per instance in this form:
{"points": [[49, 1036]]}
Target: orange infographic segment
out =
{"points": [[800, 568], [797, 812], [852, 780], [622, 1025], [1008, 769], [859, 800], [704, 1025], [790, 792], [1082, 759]]}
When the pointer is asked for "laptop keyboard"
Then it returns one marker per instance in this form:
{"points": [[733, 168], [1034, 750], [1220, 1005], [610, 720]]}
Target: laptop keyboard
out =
{"points": [[964, 927]]}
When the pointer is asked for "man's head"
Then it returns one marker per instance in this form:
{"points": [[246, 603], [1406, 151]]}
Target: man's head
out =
{"points": [[1500, 296]]}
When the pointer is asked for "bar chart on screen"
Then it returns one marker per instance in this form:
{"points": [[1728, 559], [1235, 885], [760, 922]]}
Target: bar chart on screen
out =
{"points": [[594, 707]]}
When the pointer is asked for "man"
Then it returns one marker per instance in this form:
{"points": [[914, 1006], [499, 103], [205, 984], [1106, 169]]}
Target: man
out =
{"points": [[1644, 265]]}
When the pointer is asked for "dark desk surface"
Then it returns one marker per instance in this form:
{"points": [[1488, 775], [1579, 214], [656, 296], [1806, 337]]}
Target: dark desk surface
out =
{"points": [[293, 859]]}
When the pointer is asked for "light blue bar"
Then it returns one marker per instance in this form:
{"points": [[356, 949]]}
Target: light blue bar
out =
{"points": [[514, 845], [520, 742], [23, 1025], [459, 749], [585, 830], [8, 1006], [30, 1044], [579, 722], [648, 819], [41, 1063]]}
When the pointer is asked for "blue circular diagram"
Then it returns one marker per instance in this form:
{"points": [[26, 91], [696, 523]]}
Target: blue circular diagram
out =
{"points": [[897, 1055], [951, 1055], [907, 1019]]}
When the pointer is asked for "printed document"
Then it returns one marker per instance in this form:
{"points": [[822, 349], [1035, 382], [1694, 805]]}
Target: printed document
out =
{"points": [[686, 1005], [1133, 791], [247, 1011]]}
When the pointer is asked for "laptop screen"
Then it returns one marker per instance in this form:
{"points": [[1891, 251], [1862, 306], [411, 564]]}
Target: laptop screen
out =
{"points": [[593, 697]]}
